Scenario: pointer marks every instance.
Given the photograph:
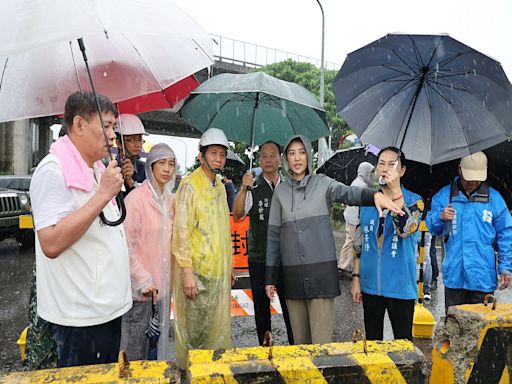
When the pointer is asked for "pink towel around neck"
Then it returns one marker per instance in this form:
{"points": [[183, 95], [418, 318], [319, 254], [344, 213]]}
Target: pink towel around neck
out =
{"points": [[76, 171]]}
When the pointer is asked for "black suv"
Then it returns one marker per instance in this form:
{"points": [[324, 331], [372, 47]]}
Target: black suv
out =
{"points": [[15, 211]]}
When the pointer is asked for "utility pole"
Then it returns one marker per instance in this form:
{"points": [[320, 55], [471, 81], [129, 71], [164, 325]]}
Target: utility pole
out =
{"points": [[322, 68]]}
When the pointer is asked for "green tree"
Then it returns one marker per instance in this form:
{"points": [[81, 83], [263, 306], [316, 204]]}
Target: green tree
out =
{"points": [[308, 76]]}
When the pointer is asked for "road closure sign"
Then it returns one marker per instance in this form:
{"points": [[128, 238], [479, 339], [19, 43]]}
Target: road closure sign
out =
{"points": [[239, 243]]}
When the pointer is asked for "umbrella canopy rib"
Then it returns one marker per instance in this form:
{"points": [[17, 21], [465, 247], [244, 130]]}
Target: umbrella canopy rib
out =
{"points": [[412, 67], [145, 63], [409, 84], [215, 114], [411, 110], [3, 72], [75, 67]]}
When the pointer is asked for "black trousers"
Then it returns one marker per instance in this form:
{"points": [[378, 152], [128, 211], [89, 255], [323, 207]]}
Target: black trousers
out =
{"points": [[454, 296], [262, 302], [97, 344], [433, 259], [400, 314]]}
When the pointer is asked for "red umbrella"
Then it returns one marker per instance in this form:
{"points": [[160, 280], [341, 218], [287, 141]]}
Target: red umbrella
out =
{"points": [[167, 98]]}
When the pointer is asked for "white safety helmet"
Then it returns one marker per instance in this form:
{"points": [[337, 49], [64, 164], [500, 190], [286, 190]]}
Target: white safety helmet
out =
{"points": [[128, 124], [213, 136]]}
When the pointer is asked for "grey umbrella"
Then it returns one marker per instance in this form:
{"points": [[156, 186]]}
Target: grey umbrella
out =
{"points": [[234, 157], [429, 95]]}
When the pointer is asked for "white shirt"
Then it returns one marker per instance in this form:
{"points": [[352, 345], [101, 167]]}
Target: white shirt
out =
{"points": [[89, 283], [51, 200], [248, 196]]}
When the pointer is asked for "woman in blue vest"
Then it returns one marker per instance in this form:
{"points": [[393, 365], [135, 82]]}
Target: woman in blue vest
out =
{"points": [[384, 274]]}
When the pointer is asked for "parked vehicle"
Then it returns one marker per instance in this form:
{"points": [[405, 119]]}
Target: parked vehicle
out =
{"points": [[15, 210]]}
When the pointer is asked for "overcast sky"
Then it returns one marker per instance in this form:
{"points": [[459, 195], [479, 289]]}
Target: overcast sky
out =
{"points": [[295, 26]]}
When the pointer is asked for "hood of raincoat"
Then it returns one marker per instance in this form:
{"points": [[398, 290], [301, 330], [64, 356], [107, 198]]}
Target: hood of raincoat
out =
{"points": [[159, 152], [309, 152], [364, 171]]}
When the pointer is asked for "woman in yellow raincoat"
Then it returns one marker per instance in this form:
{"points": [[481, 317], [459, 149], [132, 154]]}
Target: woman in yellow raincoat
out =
{"points": [[202, 251]]}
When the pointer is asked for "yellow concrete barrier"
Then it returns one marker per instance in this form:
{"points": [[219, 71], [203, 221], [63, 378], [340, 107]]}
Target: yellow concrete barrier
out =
{"points": [[396, 361], [135, 372], [474, 345]]}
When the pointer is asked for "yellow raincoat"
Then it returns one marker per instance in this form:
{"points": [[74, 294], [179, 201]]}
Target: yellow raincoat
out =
{"points": [[201, 241]]}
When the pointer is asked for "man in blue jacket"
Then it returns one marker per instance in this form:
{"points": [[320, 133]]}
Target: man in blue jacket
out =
{"points": [[476, 223]]}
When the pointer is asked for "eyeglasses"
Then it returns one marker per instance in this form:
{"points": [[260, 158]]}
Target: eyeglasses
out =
{"points": [[134, 140]]}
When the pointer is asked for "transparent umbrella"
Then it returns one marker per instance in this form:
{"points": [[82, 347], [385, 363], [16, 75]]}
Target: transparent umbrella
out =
{"points": [[136, 51]]}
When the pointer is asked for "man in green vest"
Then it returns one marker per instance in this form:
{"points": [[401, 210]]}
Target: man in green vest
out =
{"points": [[255, 202]]}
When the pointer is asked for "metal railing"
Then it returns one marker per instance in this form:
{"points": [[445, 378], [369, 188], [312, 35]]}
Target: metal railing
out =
{"points": [[254, 56]]}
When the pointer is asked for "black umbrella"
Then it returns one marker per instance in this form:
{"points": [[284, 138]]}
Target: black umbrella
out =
{"points": [[153, 332], [342, 166], [429, 95], [424, 179]]}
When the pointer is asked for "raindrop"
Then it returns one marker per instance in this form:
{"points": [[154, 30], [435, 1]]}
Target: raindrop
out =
{"points": [[105, 74], [389, 57], [474, 71]]}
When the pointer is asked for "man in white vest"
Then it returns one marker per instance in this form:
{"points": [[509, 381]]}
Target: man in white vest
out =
{"points": [[83, 273]]}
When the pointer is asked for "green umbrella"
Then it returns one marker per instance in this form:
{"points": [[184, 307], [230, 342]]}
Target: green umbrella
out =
{"points": [[254, 108]]}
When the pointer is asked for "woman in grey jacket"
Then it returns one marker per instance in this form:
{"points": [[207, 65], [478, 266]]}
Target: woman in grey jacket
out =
{"points": [[300, 238]]}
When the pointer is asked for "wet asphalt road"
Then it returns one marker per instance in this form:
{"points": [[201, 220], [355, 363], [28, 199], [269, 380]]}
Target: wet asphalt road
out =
{"points": [[15, 268]]}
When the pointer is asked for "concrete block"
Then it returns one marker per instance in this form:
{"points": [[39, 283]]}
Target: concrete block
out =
{"points": [[136, 372], [474, 345], [396, 361]]}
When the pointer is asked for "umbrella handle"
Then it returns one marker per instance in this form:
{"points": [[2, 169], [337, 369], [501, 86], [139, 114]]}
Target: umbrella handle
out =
{"points": [[250, 169], [119, 197], [153, 304], [122, 211]]}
